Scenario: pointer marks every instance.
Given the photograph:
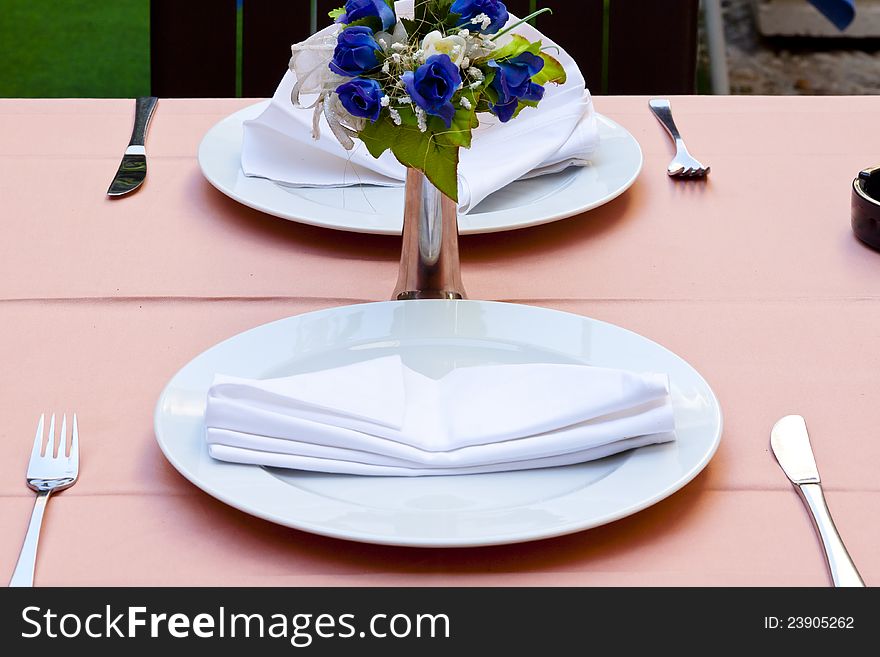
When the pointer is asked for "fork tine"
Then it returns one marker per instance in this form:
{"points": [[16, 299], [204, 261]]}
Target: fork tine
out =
{"points": [[38, 439], [62, 438], [74, 446], [50, 442]]}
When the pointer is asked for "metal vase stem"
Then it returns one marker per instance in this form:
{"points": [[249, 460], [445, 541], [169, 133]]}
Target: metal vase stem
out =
{"points": [[429, 264]]}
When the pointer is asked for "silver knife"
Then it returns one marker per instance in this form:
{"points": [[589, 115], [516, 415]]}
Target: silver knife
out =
{"points": [[133, 168], [791, 446]]}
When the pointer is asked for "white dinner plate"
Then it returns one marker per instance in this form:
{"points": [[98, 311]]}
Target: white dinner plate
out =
{"points": [[434, 337], [379, 210]]}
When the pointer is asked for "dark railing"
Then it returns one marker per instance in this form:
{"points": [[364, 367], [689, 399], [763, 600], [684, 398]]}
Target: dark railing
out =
{"points": [[622, 46]]}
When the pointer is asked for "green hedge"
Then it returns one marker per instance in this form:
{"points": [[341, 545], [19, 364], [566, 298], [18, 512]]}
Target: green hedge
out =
{"points": [[74, 48]]}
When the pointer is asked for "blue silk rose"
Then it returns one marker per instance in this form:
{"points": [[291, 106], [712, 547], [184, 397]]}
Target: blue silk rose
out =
{"points": [[513, 83], [362, 97], [355, 10], [433, 85], [357, 52], [470, 9]]}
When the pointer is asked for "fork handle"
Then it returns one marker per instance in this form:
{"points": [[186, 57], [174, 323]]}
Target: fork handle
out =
{"points": [[663, 111], [23, 575]]}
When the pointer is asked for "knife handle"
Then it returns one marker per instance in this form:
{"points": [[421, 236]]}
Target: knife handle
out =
{"points": [[843, 570], [143, 112]]}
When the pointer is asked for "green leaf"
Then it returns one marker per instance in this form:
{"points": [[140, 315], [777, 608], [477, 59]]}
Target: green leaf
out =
{"points": [[372, 22], [410, 26], [425, 151], [522, 105], [430, 15], [336, 13], [463, 123], [379, 136], [516, 46], [553, 71]]}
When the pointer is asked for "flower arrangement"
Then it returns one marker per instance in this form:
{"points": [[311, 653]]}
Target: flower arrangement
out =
{"points": [[416, 84]]}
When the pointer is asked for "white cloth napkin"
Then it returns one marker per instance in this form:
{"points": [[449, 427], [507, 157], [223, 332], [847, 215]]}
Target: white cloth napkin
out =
{"points": [[562, 132], [379, 417]]}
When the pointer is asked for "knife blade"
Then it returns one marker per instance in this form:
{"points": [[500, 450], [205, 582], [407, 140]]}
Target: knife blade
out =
{"points": [[133, 168], [791, 446], [790, 443]]}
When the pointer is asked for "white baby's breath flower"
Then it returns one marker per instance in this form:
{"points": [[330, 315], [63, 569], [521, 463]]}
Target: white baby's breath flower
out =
{"points": [[397, 58], [475, 85], [465, 33], [399, 46], [482, 20], [385, 101], [405, 100], [476, 73], [422, 119], [395, 116], [466, 103], [386, 67], [465, 63]]}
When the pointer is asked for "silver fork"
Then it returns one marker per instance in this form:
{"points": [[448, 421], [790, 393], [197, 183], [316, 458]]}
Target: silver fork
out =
{"points": [[46, 474], [683, 165]]}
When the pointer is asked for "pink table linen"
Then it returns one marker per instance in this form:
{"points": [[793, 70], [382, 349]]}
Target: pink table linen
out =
{"points": [[754, 277]]}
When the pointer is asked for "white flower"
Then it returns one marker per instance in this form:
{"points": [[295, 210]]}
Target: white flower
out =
{"points": [[476, 73], [405, 100], [395, 116], [385, 101], [466, 103], [436, 44]]}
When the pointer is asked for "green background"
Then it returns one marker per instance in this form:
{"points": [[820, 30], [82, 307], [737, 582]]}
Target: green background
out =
{"points": [[74, 48]]}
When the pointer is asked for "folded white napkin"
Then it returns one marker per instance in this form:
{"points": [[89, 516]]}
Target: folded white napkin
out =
{"points": [[562, 132], [379, 417]]}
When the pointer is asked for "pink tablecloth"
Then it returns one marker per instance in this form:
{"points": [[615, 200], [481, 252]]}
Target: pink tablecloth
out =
{"points": [[754, 277]]}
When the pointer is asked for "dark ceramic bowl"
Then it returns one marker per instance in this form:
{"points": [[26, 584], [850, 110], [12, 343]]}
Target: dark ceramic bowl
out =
{"points": [[866, 207]]}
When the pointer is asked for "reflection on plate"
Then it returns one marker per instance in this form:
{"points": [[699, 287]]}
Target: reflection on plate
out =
{"points": [[364, 209], [434, 337]]}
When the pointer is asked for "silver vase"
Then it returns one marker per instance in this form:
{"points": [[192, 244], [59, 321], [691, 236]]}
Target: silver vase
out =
{"points": [[429, 264]]}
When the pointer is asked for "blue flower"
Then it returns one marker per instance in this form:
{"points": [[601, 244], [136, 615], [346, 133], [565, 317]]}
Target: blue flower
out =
{"points": [[433, 85], [513, 83], [362, 97], [470, 9], [355, 10], [357, 52]]}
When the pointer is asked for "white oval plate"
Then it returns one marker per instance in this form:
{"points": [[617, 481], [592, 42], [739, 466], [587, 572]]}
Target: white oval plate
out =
{"points": [[434, 337], [379, 210]]}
